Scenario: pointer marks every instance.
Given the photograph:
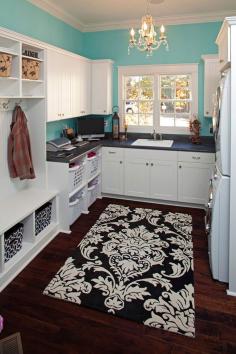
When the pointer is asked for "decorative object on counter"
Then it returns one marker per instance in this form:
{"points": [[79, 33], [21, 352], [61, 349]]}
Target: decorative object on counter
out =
{"points": [[195, 127], [1, 323], [30, 53], [147, 41], [5, 65], [115, 123], [126, 130], [30, 69], [20, 161]]}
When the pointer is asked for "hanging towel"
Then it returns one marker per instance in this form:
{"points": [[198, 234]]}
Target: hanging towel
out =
{"points": [[19, 152]]}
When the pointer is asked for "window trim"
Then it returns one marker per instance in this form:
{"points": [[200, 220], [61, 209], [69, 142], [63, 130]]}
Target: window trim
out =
{"points": [[157, 70]]}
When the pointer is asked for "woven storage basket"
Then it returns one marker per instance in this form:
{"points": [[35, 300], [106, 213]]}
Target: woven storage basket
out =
{"points": [[30, 69], [5, 64]]}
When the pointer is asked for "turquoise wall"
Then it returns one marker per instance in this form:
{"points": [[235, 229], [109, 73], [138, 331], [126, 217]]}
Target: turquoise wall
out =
{"points": [[23, 17], [187, 43]]}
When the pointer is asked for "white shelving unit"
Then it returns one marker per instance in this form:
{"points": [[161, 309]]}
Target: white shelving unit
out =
{"points": [[21, 207], [61, 176]]}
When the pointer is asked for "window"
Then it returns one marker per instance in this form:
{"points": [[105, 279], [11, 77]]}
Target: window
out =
{"points": [[175, 100], [138, 100], [160, 97]]}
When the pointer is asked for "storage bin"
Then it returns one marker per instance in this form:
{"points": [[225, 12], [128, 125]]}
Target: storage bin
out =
{"points": [[43, 217], [92, 165], [93, 191], [76, 176], [30, 69], [5, 65], [76, 206], [13, 241]]}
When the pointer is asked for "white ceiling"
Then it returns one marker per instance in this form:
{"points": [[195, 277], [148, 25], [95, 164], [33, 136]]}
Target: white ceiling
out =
{"points": [[95, 15]]}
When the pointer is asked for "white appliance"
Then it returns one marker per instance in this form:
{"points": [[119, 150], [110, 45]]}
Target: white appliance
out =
{"points": [[221, 124], [218, 208], [217, 226]]}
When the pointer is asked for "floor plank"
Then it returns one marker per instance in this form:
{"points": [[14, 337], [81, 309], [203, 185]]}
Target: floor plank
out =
{"points": [[53, 326]]}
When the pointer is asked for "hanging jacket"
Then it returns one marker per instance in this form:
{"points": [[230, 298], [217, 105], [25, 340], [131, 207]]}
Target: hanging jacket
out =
{"points": [[19, 152]]}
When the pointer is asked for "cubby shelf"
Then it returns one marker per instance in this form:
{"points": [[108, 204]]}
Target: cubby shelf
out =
{"points": [[8, 51], [32, 58]]}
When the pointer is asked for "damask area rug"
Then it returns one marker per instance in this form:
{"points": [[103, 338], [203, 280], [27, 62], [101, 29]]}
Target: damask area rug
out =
{"points": [[134, 263]]}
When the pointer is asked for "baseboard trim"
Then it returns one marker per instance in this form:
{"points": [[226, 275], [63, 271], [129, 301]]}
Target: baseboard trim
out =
{"points": [[154, 201], [231, 293]]}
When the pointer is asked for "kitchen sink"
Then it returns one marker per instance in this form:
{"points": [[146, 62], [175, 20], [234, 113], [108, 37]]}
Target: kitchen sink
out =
{"points": [[154, 143]]}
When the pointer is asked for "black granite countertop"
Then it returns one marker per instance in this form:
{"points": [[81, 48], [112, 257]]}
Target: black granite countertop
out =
{"points": [[181, 143]]}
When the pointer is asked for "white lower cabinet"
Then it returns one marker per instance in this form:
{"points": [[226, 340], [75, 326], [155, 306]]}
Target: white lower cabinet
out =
{"points": [[136, 177], [163, 180], [193, 182], [157, 174], [113, 171]]}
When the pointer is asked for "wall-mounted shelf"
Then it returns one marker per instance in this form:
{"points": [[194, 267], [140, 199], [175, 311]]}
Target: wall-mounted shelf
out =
{"points": [[32, 58]]}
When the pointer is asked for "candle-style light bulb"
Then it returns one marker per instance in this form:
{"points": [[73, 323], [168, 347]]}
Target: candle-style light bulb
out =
{"points": [[132, 32], [162, 29], [145, 26]]}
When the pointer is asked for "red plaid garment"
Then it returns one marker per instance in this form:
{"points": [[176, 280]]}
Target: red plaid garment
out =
{"points": [[19, 151]]}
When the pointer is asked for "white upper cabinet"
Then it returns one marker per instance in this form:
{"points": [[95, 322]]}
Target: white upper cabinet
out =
{"points": [[102, 71], [68, 85], [85, 87], [223, 42], [211, 79]]}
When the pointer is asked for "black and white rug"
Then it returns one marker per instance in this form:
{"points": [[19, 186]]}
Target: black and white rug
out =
{"points": [[135, 263]]}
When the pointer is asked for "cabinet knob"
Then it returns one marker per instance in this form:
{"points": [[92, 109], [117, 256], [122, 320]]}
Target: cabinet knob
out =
{"points": [[207, 112], [104, 111], [221, 60], [152, 164], [180, 166], [121, 162], [147, 164]]}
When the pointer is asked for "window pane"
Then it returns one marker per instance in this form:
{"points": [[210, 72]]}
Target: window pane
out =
{"points": [[167, 92], [131, 87], [182, 122], [146, 107], [182, 81], [182, 94], [182, 107], [167, 107], [146, 93], [168, 81], [131, 107], [131, 119], [145, 119], [167, 121]]}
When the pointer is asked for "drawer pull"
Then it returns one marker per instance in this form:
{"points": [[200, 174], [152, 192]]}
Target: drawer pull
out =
{"points": [[196, 157], [111, 152]]}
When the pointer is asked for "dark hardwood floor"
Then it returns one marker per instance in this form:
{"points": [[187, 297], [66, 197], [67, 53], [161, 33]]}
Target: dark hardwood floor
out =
{"points": [[50, 326]]}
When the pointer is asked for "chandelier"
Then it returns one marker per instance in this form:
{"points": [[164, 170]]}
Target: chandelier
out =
{"points": [[147, 40]]}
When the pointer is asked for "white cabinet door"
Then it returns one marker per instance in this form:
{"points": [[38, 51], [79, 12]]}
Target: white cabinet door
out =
{"points": [[85, 87], [193, 182], [137, 178], [102, 87], [112, 170], [163, 180], [53, 86], [65, 96], [211, 80]]}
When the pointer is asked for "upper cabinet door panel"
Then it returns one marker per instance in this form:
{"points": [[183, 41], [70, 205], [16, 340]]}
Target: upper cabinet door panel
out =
{"points": [[102, 87]]}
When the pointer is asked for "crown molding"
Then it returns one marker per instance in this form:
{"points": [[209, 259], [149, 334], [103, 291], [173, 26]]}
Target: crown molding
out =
{"points": [[56, 11], [96, 27], [175, 20]]}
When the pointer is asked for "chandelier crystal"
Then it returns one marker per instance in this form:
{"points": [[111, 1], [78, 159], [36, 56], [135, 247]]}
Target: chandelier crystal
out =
{"points": [[147, 40]]}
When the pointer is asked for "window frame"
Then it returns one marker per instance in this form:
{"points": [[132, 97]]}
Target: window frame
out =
{"points": [[156, 71]]}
